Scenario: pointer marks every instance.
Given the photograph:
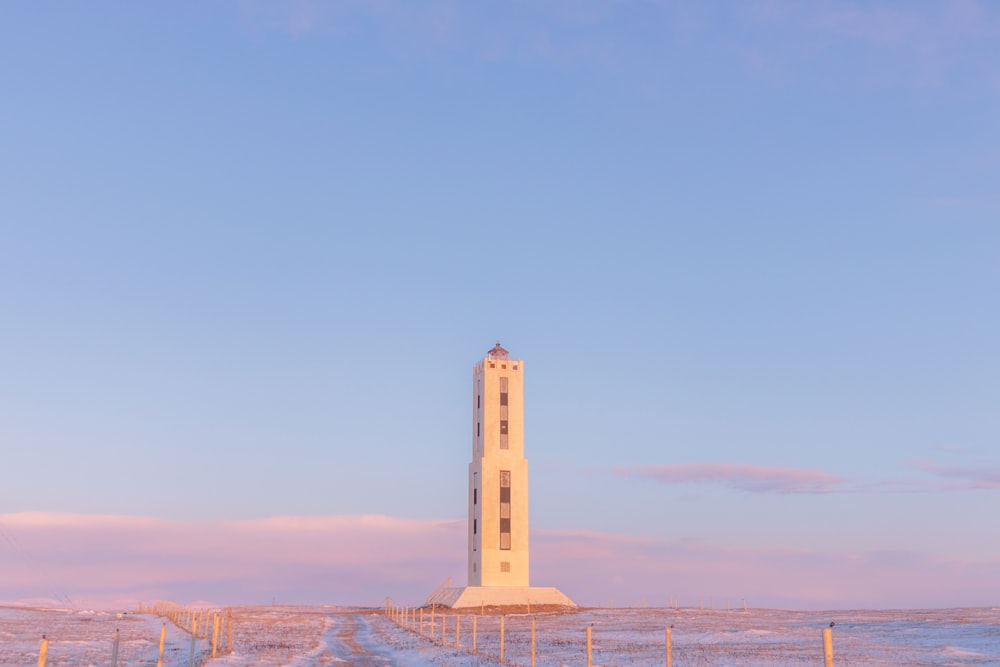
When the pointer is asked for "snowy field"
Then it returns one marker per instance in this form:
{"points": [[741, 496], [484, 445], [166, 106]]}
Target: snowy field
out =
{"points": [[309, 636]]}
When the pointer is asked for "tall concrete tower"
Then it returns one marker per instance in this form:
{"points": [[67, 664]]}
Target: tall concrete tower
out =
{"points": [[498, 494], [498, 474]]}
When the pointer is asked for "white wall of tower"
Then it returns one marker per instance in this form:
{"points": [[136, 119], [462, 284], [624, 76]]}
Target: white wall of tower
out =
{"points": [[491, 561]]}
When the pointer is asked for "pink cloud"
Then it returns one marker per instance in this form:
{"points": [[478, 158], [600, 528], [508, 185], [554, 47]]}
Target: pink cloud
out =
{"points": [[106, 561], [347, 559], [600, 568], [743, 477]]}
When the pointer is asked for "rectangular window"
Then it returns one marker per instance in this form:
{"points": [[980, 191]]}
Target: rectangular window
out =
{"points": [[475, 496], [474, 526], [505, 509], [479, 402], [477, 429], [505, 566], [503, 413]]}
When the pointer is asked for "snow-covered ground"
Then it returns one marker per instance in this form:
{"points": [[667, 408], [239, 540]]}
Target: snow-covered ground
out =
{"points": [[312, 636]]}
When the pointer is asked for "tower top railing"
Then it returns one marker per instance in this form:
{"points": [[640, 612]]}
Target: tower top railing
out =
{"points": [[497, 352]]}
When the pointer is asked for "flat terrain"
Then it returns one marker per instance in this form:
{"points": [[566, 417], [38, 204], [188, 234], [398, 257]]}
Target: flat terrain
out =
{"points": [[311, 636]]}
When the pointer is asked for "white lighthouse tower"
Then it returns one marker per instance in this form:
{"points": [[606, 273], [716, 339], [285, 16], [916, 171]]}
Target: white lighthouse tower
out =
{"points": [[498, 558]]}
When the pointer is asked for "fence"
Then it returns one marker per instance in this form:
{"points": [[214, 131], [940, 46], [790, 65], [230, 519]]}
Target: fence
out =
{"points": [[199, 624], [445, 629]]}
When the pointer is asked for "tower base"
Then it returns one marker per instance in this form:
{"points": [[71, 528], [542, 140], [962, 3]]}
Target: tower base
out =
{"points": [[500, 596]]}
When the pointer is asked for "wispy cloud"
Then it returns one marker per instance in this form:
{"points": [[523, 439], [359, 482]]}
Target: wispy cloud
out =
{"points": [[908, 26], [743, 477], [900, 44], [878, 26], [778, 42], [961, 478]]}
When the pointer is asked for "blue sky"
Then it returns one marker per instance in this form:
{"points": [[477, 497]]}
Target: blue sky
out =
{"points": [[749, 253]]}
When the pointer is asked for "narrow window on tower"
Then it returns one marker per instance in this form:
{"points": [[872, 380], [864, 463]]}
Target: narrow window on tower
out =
{"points": [[503, 427], [503, 413], [505, 509]]}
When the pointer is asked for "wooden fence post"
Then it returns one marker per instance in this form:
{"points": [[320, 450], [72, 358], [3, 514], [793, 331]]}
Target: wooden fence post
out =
{"points": [[502, 618], [670, 648], [458, 631], [590, 655], [215, 634], [43, 652], [432, 623], [474, 635], [828, 647], [163, 639], [114, 650], [421, 621], [532, 642], [191, 653]]}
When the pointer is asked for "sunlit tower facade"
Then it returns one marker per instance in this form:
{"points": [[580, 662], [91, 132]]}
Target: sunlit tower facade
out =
{"points": [[498, 474], [498, 496]]}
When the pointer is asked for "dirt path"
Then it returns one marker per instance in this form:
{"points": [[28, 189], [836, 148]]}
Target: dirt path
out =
{"points": [[346, 645]]}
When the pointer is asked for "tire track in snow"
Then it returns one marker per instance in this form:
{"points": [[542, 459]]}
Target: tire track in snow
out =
{"points": [[345, 648]]}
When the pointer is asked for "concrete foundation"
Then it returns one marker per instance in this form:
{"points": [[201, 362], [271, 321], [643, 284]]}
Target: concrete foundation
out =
{"points": [[500, 596]]}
